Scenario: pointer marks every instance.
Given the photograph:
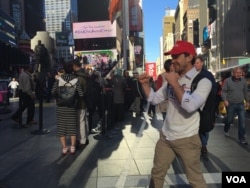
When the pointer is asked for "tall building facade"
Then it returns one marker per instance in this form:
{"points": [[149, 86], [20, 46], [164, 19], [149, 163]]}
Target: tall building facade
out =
{"points": [[190, 16], [34, 13], [179, 26], [229, 35], [12, 27], [233, 28], [59, 16], [223, 30], [168, 36]]}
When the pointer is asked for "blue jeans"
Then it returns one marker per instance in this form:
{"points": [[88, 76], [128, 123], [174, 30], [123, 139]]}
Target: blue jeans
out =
{"points": [[204, 138], [239, 109]]}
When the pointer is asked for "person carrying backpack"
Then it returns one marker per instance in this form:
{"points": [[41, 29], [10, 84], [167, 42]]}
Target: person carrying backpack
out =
{"points": [[179, 135], [199, 65], [66, 110]]}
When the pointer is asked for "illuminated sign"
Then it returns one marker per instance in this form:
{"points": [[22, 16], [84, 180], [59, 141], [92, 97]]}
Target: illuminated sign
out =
{"points": [[16, 13], [100, 29]]}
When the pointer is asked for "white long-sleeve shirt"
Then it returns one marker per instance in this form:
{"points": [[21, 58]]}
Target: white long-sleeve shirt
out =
{"points": [[183, 119], [13, 84]]}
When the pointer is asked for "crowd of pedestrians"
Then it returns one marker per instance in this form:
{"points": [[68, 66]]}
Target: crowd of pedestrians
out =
{"points": [[107, 98], [110, 97]]}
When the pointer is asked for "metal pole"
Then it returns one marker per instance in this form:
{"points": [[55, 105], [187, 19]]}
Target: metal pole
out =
{"points": [[125, 31], [40, 130]]}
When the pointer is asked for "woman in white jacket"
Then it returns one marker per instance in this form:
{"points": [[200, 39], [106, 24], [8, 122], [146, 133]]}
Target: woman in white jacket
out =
{"points": [[13, 85]]}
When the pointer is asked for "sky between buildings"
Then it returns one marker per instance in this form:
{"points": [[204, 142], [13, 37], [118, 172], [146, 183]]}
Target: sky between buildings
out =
{"points": [[154, 11]]}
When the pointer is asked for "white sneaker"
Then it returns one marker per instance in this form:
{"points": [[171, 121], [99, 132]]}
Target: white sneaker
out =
{"points": [[226, 134], [97, 129], [243, 142]]}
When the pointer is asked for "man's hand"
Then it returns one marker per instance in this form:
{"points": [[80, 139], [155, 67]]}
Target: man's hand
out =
{"points": [[226, 103], [247, 105], [144, 78], [172, 78]]}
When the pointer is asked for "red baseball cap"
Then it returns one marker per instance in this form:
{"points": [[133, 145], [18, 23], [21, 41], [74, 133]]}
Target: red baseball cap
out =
{"points": [[182, 47]]}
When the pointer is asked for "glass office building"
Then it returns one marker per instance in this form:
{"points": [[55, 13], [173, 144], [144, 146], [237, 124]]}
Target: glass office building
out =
{"points": [[60, 15]]}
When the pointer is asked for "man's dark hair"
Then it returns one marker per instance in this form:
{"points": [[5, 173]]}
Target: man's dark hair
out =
{"points": [[77, 63], [193, 60], [68, 68], [201, 57], [93, 77], [167, 65]]}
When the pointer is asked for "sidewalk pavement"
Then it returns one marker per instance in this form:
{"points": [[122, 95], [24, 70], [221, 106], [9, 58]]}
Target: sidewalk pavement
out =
{"points": [[124, 159]]}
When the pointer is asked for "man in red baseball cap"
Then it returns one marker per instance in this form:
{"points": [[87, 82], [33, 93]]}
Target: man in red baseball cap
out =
{"points": [[183, 56], [179, 134]]}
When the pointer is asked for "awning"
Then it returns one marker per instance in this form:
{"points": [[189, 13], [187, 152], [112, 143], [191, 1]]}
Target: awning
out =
{"points": [[233, 62]]}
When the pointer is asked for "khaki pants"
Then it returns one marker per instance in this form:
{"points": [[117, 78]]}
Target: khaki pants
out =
{"points": [[188, 150], [82, 127]]}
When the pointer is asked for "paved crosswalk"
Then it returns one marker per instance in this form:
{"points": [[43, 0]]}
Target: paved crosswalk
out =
{"points": [[143, 181]]}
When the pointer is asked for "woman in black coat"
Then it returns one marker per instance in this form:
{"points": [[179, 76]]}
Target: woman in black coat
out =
{"points": [[93, 99]]}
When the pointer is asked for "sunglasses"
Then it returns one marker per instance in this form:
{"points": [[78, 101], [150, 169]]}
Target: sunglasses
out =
{"points": [[175, 56]]}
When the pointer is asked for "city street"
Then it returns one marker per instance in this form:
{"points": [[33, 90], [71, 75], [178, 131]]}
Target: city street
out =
{"points": [[122, 159]]}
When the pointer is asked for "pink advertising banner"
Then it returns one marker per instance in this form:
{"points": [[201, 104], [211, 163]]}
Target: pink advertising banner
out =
{"points": [[100, 29], [151, 69]]}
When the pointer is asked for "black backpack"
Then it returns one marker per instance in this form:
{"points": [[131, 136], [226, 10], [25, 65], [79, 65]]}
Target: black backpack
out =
{"points": [[67, 93], [207, 114]]}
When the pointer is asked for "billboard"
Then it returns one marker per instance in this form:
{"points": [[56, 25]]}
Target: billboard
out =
{"points": [[16, 13], [100, 29], [7, 29], [135, 15], [100, 60], [151, 70], [206, 37], [4, 99], [98, 56], [138, 50], [62, 39]]}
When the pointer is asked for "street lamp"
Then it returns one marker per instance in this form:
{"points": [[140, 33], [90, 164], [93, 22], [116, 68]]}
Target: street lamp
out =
{"points": [[246, 52]]}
